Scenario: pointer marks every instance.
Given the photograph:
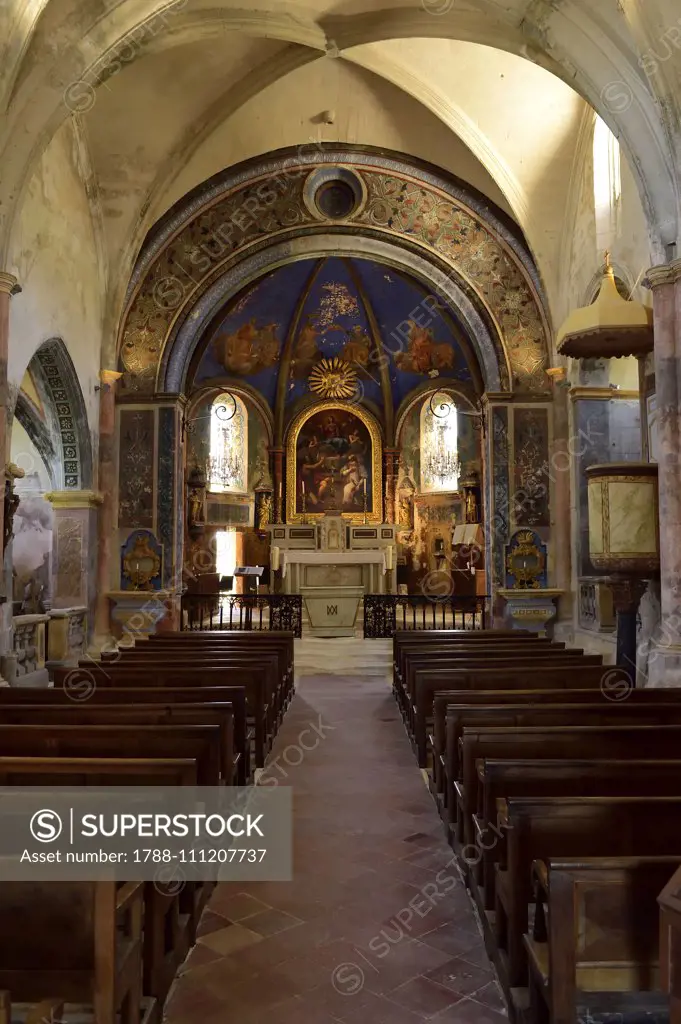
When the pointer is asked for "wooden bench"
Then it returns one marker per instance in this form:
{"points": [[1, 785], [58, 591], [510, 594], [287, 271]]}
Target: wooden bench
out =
{"points": [[173, 678], [539, 829], [201, 742], [76, 942], [594, 947], [167, 697], [530, 698], [219, 714], [502, 780], [464, 673], [265, 667], [569, 715]]}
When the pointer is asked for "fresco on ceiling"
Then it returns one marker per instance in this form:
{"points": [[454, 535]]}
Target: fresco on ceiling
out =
{"points": [[334, 321], [248, 341], [336, 307], [418, 332]]}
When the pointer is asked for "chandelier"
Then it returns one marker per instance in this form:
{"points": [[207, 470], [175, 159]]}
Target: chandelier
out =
{"points": [[225, 468], [442, 463]]}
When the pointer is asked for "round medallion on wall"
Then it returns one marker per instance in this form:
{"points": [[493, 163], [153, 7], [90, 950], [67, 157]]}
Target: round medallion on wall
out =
{"points": [[334, 193]]}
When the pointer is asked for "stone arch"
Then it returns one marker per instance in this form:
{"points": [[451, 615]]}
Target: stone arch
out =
{"points": [[59, 388], [413, 215], [592, 54], [26, 414]]}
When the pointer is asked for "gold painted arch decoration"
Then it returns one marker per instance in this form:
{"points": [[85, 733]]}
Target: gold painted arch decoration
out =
{"points": [[170, 282]]}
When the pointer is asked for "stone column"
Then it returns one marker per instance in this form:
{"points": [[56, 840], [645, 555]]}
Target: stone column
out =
{"points": [[107, 488], [277, 456], [559, 475], [665, 283], [8, 286]]}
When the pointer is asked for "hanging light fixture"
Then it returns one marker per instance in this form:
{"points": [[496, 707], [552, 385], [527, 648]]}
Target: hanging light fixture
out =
{"points": [[442, 463]]}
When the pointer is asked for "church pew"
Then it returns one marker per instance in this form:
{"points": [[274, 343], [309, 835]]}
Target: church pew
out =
{"points": [[171, 679], [281, 642], [451, 675], [201, 742], [425, 658], [259, 679], [169, 918], [501, 780], [529, 698], [538, 829], [594, 947], [561, 715], [267, 663], [485, 681], [98, 771], [168, 696], [137, 714], [406, 640], [573, 743], [78, 942]]}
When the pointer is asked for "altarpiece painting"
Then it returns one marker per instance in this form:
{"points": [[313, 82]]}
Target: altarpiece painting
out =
{"points": [[334, 464]]}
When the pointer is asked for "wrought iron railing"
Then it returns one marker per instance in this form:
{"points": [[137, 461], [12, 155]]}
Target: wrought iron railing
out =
{"points": [[384, 613], [242, 611]]}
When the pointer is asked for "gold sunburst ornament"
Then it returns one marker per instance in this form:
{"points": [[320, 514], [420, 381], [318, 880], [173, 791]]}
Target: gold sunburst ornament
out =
{"points": [[333, 378]]}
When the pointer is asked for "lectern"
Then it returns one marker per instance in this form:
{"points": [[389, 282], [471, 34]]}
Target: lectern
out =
{"points": [[251, 576]]}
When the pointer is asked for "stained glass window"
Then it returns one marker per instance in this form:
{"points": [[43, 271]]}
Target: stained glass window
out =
{"points": [[440, 466], [228, 445]]}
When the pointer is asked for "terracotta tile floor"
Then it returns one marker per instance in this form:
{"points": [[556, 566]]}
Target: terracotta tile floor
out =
{"points": [[375, 928]]}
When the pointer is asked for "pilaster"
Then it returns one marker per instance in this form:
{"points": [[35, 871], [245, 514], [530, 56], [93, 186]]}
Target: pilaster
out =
{"points": [[665, 283]]}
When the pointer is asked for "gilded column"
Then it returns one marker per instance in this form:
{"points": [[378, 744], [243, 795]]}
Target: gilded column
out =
{"points": [[665, 283], [277, 456], [105, 526]]}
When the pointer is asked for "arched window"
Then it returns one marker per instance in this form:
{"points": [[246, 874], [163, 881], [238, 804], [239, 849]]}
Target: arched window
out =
{"points": [[228, 464], [440, 466]]}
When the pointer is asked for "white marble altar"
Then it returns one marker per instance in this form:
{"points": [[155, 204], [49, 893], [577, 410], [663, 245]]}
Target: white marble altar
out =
{"points": [[332, 611], [333, 552]]}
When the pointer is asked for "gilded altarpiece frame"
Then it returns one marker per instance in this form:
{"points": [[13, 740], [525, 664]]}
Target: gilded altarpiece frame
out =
{"points": [[346, 412]]}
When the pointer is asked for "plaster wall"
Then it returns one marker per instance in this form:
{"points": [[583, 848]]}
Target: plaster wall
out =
{"points": [[367, 109], [54, 256]]}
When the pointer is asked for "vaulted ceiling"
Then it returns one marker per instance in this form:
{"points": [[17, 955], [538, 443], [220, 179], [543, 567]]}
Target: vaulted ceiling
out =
{"points": [[156, 96]]}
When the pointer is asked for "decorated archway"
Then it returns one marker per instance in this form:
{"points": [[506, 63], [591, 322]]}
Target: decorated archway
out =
{"points": [[262, 280]]}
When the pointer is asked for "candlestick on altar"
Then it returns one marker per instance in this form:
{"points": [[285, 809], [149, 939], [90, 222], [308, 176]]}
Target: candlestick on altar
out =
{"points": [[365, 501], [280, 510]]}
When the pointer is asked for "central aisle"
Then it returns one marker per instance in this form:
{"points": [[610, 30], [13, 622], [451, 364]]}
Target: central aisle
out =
{"points": [[376, 927]]}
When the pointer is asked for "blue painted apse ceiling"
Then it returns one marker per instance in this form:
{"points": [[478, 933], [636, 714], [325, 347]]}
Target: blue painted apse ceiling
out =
{"points": [[362, 311]]}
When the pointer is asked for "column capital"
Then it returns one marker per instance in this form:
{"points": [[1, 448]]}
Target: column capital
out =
{"points": [[664, 273], [109, 376], [8, 284], [74, 499]]}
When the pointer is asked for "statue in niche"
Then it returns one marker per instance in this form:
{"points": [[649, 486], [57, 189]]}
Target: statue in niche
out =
{"points": [[195, 506], [471, 508], [265, 511]]}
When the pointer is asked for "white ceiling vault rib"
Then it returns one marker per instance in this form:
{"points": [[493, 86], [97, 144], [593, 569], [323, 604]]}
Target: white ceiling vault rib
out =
{"points": [[125, 50]]}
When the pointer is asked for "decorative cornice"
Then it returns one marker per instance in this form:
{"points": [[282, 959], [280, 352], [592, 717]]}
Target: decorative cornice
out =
{"points": [[557, 373], [9, 284], [74, 499], [665, 273], [601, 394], [109, 376]]}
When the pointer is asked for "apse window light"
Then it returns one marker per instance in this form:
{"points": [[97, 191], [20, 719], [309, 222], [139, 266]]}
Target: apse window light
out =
{"points": [[607, 183]]}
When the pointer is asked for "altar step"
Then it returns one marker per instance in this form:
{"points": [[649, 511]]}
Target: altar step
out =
{"points": [[343, 656]]}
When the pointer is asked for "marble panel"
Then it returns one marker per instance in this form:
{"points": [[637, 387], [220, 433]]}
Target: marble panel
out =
{"points": [[632, 517]]}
